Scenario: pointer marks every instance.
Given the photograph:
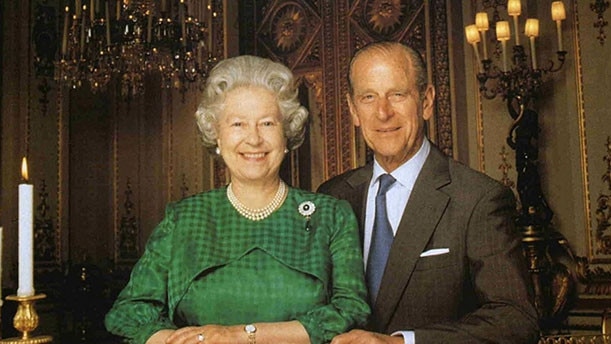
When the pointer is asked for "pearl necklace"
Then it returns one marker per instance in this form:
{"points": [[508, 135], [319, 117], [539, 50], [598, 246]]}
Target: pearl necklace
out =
{"points": [[261, 213]]}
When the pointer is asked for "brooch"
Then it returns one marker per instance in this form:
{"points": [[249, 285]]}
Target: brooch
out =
{"points": [[306, 209]]}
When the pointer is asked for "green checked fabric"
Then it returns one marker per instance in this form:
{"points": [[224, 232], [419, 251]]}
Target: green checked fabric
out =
{"points": [[206, 264]]}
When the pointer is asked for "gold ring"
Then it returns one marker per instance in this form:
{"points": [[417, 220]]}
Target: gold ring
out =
{"points": [[200, 337]]}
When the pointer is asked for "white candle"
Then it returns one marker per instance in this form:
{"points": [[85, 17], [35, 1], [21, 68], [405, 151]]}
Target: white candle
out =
{"points": [[473, 38], [558, 15], [83, 33], [149, 26], [65, 34], [181, 17], [514, 9], [481, 22], [531, 30], [26, 235], [107, 24], [77, 8], [503, 35]]}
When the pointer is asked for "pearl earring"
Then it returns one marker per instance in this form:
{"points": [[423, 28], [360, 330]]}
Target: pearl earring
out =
{"points": [[218, 151], [286, 150]]}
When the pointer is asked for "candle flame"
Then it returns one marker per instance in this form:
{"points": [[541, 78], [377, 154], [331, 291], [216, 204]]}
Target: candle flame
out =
{"points": [[24, 169]]}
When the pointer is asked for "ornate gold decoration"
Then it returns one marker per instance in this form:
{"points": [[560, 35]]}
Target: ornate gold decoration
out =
{"points": [[603, 212], [599, 7], [314, 82], [44, 233], [505, 166], [184, 187], [26, 320], [384, 15], [597, 280], [128, 231], [289, 29], [440, 59], [581, 339]]}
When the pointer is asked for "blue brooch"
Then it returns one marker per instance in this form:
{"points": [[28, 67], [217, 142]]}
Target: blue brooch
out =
{"points": [[306, 209]]}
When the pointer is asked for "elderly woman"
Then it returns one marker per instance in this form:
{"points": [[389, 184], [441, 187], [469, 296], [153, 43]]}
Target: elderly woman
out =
{"points": [[256, 261]]}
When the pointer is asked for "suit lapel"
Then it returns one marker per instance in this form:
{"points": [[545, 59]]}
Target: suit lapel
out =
{"points": [[420, 217], [357, 195]]}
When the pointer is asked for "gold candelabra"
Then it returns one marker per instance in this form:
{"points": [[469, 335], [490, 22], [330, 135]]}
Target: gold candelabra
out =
{"points": [[26, 321]]}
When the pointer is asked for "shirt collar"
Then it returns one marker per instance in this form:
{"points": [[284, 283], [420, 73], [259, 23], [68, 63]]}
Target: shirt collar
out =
{"points": [[407, 173]]}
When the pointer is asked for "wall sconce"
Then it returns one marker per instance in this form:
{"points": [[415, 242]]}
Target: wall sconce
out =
{"points": [[599, 7], [518, 85], [517, 78]]}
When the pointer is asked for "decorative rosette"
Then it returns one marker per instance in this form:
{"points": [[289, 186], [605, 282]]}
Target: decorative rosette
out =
{"points": [[307, 208]]}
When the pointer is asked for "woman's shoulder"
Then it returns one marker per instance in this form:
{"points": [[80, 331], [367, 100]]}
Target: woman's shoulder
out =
{"points": [[205, 199]]}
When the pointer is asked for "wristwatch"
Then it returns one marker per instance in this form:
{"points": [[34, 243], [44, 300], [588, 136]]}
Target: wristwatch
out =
{"points": [[250, 330]]}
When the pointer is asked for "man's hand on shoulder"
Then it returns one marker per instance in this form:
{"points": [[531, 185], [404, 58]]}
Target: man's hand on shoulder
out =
{"points": [[365, 337]]}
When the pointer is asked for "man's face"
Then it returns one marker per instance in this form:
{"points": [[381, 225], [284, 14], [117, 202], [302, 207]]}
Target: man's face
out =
{"points": [[387, 106]]}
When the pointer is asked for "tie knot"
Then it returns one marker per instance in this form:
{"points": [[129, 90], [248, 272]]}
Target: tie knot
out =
{"points": [[386, 181]]}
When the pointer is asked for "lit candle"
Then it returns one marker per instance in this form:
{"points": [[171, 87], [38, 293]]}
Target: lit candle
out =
{"points": [[65, 35], [83, 32], [481, 22], [558, 15], [531, 30], [473, 37], [26, 234], [514, 8], [181, 17], [149, 26], [503, 35], [107, 24]]}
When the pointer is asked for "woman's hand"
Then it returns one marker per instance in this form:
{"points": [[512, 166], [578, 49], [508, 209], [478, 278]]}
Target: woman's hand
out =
{"points": [[208, 334]]}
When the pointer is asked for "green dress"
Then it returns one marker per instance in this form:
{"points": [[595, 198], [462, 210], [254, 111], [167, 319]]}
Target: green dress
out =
{"points": [[206, 264]]}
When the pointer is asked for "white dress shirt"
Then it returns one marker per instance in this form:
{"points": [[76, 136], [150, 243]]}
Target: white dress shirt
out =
{"points": [[396, 200]]}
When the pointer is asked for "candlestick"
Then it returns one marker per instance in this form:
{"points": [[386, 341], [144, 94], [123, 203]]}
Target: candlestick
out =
{"points": [[77, 8], [164, 6], [26, 321], [83, 33], [107, 24], [181, 17], [118, 9], [516, 29], [26, 235], [65, 34], [149, 26], [91, 11]]}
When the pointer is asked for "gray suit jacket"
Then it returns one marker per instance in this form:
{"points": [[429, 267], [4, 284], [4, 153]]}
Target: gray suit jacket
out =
{"points": [[478, 292]]}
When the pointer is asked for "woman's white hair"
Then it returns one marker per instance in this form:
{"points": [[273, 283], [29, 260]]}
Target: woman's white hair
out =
{"points": [[244, 71]]}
